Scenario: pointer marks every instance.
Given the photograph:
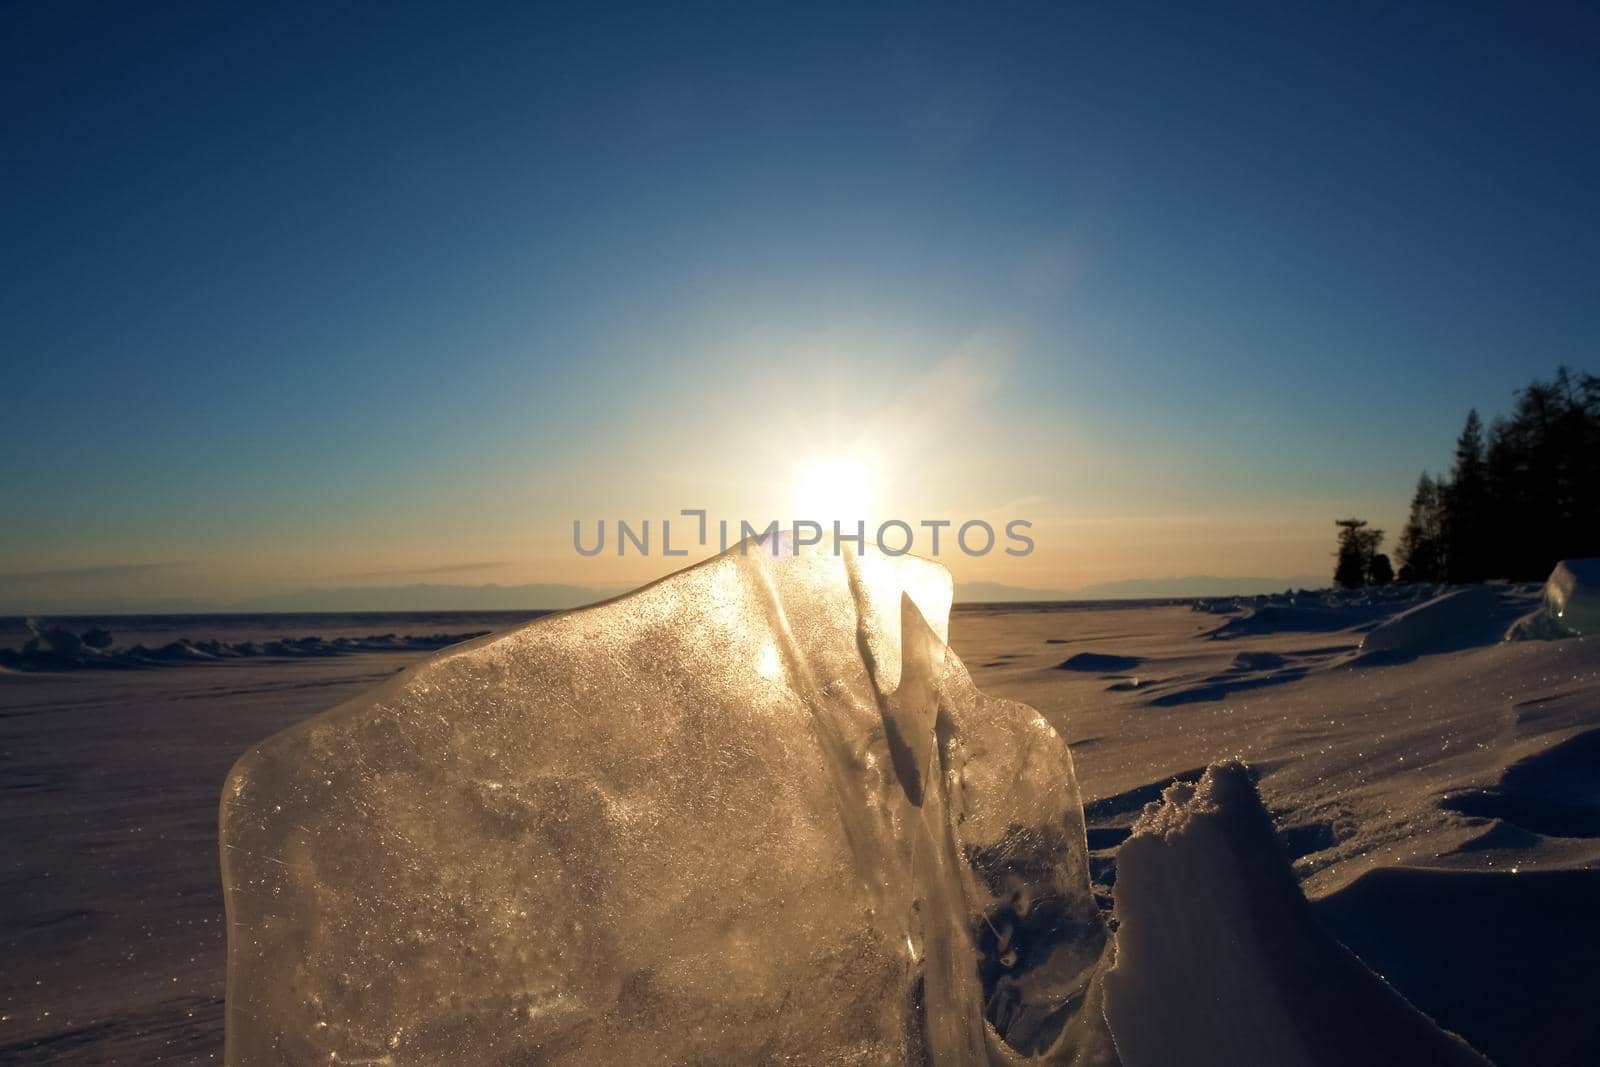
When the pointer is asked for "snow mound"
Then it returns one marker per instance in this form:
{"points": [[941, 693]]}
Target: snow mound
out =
{"points": [[1258, 661], [1099, 663], [1428, 624], [1572, 595], [756, 812], [1312, 616], [1219, 960]]}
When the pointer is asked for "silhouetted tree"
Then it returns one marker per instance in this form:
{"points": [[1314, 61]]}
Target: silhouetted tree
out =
{"points": [[1519, 502], [1380, 571], [1505, 464], [1421, 547], [1467, 508], [1357, 546]]}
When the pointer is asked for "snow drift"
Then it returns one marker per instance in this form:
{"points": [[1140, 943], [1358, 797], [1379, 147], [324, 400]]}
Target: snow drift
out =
{"points": [[1429, 624], [1220, 962]]}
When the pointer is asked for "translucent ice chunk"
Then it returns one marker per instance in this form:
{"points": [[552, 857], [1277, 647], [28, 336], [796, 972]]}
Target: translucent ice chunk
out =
{"points": [[754, 813], [1572, 595]]}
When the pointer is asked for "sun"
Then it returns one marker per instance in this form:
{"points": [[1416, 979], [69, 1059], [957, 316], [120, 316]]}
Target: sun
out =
{"points": [[836, 489]]}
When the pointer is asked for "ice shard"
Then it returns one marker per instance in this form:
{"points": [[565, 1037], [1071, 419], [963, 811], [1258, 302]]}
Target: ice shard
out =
{"points": [[754, 813]]}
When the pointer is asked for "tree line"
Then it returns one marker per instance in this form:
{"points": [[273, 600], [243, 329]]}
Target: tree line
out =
{"points": [[1518, 499]]}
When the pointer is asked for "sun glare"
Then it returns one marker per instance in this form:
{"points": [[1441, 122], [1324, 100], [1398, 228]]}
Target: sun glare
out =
{"points": [[836, 489]]}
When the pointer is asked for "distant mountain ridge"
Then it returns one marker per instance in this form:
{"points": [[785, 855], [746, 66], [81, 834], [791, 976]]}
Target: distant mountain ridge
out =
{"points": [[1199, 585], [1136, 589], [428, 597]]}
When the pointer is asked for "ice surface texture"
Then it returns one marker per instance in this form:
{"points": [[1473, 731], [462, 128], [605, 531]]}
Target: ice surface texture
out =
{"points": [[755, 813]]}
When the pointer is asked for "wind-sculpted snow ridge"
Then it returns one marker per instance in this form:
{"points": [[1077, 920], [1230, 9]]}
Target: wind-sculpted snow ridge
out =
{"points": [[1220, 961], [1466, 614], [755, 813]]}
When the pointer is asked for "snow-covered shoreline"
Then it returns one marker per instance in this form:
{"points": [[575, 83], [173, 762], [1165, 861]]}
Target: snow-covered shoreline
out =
{"points": [[1433, 808]]}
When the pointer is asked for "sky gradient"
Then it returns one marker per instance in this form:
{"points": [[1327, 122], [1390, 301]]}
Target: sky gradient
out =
{"points": [[338, 295]]}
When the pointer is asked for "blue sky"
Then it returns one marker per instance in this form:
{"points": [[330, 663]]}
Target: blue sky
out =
{"points": [[296, 294]]}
